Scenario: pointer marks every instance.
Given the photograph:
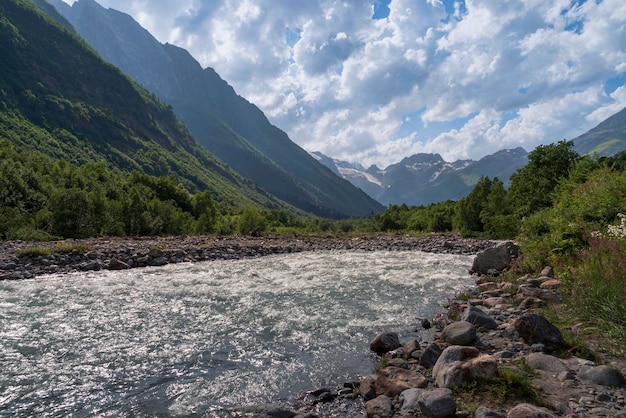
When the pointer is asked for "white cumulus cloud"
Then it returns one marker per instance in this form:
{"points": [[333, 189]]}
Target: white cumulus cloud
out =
{"points": [[462, 78]]}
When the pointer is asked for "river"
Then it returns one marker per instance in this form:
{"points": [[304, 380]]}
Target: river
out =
{"points": [[202, 338]]}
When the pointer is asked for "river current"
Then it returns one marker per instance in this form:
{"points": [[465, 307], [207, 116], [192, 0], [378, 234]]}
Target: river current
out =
{"points": [[199, 339]]}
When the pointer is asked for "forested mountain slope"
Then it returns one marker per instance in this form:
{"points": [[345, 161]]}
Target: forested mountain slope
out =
{"points": [[226, 124], [59, 97]]}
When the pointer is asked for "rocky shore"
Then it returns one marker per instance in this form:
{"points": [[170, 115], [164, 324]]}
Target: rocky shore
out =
{"points": [[24, 260], [490, 356]]}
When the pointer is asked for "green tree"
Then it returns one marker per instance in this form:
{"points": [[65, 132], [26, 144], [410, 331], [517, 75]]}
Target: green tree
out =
{"points": [[70, 213], [135, 211], [497, 218], [251, 222], [467, 218], [205, 212], [532, 186]]}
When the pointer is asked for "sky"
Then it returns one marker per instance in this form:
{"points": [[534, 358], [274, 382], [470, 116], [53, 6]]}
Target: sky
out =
{"points": [[374, 81]]}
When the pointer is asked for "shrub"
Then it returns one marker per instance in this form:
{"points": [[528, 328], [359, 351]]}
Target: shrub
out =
{"points": [[251, 222]]}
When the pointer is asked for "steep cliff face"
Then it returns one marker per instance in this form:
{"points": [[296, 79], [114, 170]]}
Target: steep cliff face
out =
{"points": [[223, 122]]}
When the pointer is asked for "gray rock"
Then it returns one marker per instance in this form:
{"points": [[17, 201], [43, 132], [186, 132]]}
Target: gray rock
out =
{"points": [[459, 333], [530, 302], [392, 381], [564, 376], [380, 407], [497, 258], [483, 412], [409, 401], [385, 342], [156, 253], [479, 318], [526, 410], [602, 375], [536, 292], [459, 364], [540, 361], [504, 354], [367, 388], [535, 328], [89, 266], [115, 264], [159, 261], [430, 355], [437, 403], [410, 347]]}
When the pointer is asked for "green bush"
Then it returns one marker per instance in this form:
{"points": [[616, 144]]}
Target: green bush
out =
{"points": [[251, 222]]}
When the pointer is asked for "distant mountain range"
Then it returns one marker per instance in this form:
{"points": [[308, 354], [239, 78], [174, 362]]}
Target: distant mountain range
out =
{"points": [[422, 179], [224, 123]]}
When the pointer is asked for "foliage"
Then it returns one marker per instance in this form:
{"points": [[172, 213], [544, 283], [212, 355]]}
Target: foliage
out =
{"points": [[513, 383], [532, 185], [251, 222], [582, 235], [58, 97], [53, 198]]}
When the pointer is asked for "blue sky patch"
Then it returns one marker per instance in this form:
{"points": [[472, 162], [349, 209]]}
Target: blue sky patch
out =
{"points": [[381, 9]]}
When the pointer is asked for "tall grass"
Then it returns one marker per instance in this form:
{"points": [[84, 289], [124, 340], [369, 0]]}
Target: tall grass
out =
{"points": [[596, 286]]}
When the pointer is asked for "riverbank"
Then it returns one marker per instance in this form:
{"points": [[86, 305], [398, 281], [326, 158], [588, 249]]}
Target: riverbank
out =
{"points": [[24, 260], [493, 355]]}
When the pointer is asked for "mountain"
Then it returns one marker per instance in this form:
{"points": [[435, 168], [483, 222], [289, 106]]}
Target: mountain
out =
{"points": [[223, 122], [422, 179], [59, 97], [606, 139]]}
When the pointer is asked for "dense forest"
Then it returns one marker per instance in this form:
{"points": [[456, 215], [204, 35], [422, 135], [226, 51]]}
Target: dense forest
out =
{"points": [[46, 198]]}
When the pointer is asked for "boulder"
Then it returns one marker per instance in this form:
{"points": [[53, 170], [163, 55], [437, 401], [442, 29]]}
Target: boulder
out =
{"points": [[392, 381], [552, 284], [385, 342], [367, 388], [530, 302], [156, 253], [459, 364], [602, 375], [159, 261], [535, 328], [430, 355], [539, 293], [115, 264], [437, 403], [409, 401], [409, 348], [484, 412], [496, 258], [459, 333], [545, 362], [479, 318], [380, 407], [525, 410]]}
